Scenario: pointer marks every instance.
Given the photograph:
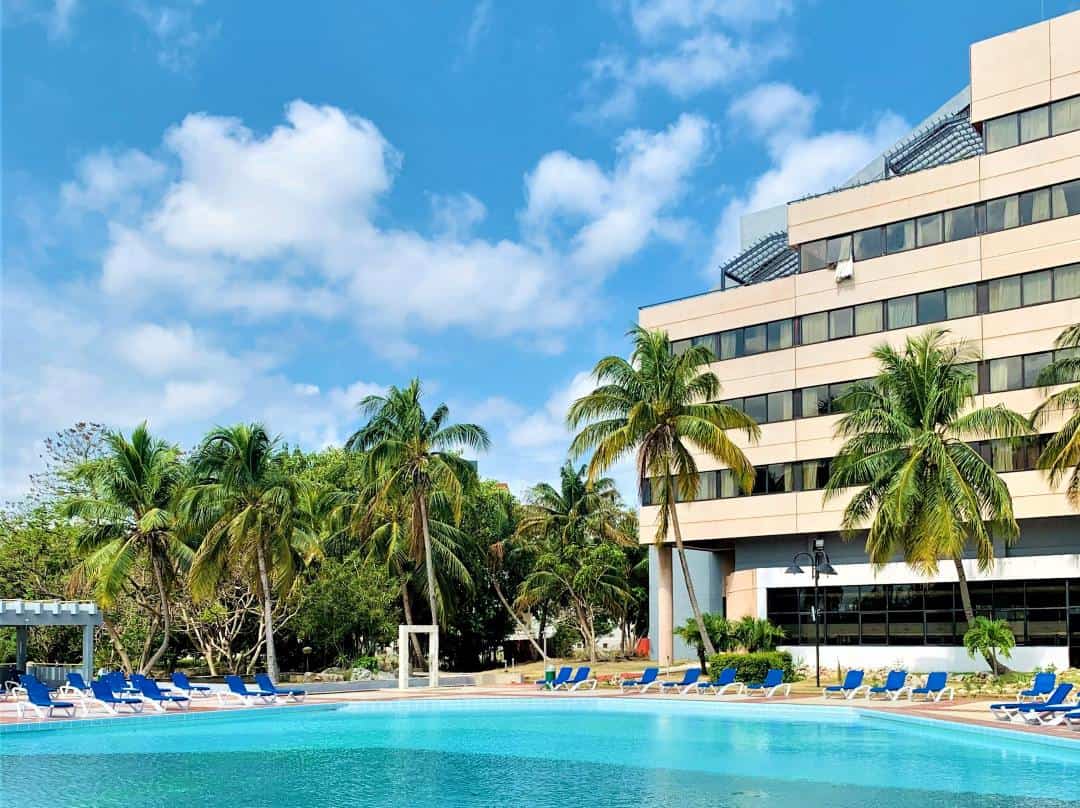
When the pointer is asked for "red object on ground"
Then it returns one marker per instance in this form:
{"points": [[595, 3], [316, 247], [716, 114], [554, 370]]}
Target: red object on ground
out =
{"points": [[641, 647]]}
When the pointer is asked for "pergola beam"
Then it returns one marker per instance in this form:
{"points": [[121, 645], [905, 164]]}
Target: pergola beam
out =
{"points": [[26, 614]]}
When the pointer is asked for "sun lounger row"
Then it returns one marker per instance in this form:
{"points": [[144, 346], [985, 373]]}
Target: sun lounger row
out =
{"points": [[935, 688], [566, 679], [768, 687], [112, 692], [1043, 704]]}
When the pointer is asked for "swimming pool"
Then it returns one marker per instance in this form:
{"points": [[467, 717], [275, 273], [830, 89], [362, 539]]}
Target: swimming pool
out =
{"points": [[549, 752]]}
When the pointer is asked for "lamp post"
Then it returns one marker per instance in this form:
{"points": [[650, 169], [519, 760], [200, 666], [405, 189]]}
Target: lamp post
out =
{"points": [[819, 561]]}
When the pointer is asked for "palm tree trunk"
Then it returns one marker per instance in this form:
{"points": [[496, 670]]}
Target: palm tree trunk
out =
{"points": [[268, 613], [969, 614], [414, 641], [429, 565], [114, 638], [166, 619], [690, 593], [520, 623]]}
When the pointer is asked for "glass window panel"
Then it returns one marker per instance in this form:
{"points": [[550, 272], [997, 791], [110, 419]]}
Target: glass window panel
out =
{"points": [[929, 229], [1066, 199], [815, 474], [931, 307], [754, 339], [707, 485], [757, 408], [901, 312], [939, 596], [905, 628], [849, 599], [837, 392], [830, 598], [869, 243], [1009, 595], [972, 371], [940, 629], [899, 236], [982, 596], [815, 401], [814, 328], [873, 598], [731, 344], [1045, 594], [646, 492], [869, 318], [1004, 294], [781, 479], [1047, 627], [679, 346], [1001, 133], [806, 598], [780, 406], [1001, 454], [841, 323], [838, 249], [1034, 124], [1067, 282], [1038, 287], [1006, 374], [1065, 115], [960, 301], [710, 341], [1001, 214], [1035, 206], [780, 335], [789, 624], [782, 600], [905, 597], [812, 256], [727, 485], [960, 223], [1033, 366], [842, 628], [873, 628], [761, 481]]}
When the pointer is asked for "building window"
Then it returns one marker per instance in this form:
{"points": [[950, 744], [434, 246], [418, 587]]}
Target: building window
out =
{"points": [[960, 223], [755, 339], [1065, 199], [1002, 214], [1065, 115], [779, 407], [869, 243], [780, 335], [815, 401], [929, 230], [1038, 287], [1067, 282], [812, 256], [899, 236], [1034, 124], [841, 323], [901, 312], [1035, 206], [814, 328], [931, 307], [1006, 374], [1034, 364], [1005, 293], [1001, 133], [960, 301], [838, 249]]}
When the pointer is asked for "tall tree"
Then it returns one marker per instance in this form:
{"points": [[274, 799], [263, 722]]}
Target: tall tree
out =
{"points": [[1062, 453], [927, 494], [414, 456], [662, 406], [127, 523], [249, 507]]}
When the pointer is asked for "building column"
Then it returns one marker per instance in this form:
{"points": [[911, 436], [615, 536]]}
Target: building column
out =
{"points": [[665, 607], [87, 652], [20, 648]]}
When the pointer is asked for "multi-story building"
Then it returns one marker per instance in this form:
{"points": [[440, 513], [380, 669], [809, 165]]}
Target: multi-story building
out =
{"points": [[971, 223]]}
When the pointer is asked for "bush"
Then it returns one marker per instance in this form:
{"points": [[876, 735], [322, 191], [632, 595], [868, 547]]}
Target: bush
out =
{"points": [[753, 667], [368, 663]]}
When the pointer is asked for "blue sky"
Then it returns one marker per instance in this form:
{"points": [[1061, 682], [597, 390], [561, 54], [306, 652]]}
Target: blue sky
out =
{"points": [[223, 211]]}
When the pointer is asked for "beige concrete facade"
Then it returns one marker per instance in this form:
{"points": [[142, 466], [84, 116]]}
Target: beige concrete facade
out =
{"points": [[1011, 72]]}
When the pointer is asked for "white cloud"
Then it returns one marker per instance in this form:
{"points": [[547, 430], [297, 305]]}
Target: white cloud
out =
{"points": [[454, 216], [178, 35], [107, 181], [651, 17], [479, 24], [801, 161]]}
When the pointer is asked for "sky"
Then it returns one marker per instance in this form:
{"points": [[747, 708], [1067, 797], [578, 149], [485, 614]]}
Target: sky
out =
{"points": [[217, 212]]}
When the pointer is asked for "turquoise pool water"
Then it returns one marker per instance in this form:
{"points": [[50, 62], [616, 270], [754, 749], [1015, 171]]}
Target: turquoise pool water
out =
{"points": [[588, 752]]}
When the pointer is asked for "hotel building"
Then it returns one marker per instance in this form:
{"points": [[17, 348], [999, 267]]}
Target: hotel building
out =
{"points": [[972, 223]]}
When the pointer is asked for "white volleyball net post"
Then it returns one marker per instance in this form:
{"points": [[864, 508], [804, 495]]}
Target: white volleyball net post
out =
{"points": [[403, 654]]}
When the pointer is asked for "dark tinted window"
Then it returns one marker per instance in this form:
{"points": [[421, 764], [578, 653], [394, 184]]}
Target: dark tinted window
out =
{"points": [[757, 408], [754, 339], [1002, 214], [869, 243], [780, 406], [1066, 199], [780, 335], [931, 307], [929, 229], [960, 223], [1035, 206], [812, 256], [1033, 366], [841, 323], [899, 236]]}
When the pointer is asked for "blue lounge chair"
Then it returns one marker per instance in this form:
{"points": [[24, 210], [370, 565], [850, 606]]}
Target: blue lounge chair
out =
{"points": [[266, 684], [39, 700], [119, 684], [581, 678], [1042, 687], [561, 678], [103, 695], [647, 680], [722, 683], [852, 684], [1072, 720], [239, 690], [153, 694], [774, 680], [182, 683], [76, 684], [937, 685], [689, 680], [1005, 711], [894, 687]]}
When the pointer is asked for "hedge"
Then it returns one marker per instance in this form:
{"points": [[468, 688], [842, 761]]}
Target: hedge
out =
{"points": [[753, 667]]}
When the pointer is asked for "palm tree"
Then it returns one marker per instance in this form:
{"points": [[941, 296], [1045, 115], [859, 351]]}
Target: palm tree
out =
{"points": [[662, 406], [249, 507], [1062, 453], [928, 494], [127, 520], [414, 456], [988, 637]]}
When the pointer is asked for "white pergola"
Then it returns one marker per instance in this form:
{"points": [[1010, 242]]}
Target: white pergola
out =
{"points": [[27, 614], [403, 654]]}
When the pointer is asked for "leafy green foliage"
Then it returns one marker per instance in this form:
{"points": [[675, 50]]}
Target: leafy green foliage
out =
{"points": [[753, 667], [720, 633], [1061, 456], [754, 634], [989, 637]]}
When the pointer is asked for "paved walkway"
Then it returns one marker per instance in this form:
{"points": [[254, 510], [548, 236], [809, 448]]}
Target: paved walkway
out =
{"points": [[963, 711]]}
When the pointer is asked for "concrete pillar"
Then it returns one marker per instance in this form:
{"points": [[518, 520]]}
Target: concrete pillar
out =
{"points": [[403, 658], [20, 648], [665, 606], [433, 657], [87, 653]]}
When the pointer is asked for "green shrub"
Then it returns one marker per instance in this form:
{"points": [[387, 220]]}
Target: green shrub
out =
{"points": [[367, 663], [753, 667]]}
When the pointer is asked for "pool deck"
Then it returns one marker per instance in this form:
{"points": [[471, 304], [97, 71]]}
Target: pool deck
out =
{"points": [[962, 711]]}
